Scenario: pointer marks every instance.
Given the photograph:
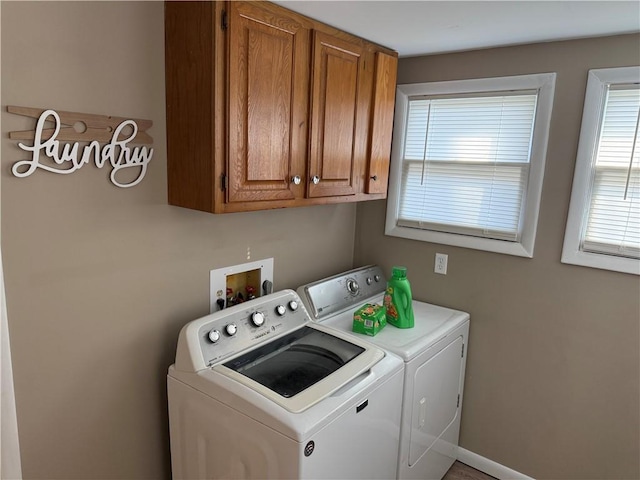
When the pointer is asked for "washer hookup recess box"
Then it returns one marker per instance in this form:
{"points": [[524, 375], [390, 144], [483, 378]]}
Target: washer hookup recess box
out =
{"points": [[238, 283]]}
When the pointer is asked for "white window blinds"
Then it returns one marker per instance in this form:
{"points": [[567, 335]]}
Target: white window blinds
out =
{"points": [[466, 163], [613, 212]]}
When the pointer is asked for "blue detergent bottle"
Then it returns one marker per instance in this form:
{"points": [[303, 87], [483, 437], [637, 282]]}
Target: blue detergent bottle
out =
{"points": [[397, 299]]}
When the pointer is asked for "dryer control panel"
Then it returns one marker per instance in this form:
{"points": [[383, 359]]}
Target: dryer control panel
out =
{"points": [[334, 294], [220, 335]]}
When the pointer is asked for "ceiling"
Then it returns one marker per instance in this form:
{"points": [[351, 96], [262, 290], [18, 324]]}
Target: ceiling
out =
{"points": [[430, 27]]}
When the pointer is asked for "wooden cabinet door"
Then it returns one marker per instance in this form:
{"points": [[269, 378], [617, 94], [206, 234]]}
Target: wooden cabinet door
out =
{"points": [[384, 96], [268, 103], [335, 83]]}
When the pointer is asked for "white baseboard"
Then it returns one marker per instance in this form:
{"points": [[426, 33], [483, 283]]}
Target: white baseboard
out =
{"points": [[489, 466]]}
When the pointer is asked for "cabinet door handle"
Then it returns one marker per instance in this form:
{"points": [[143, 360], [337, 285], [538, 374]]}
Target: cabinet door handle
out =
{"points": [[315, 179], [296, 180], [374, 178]]}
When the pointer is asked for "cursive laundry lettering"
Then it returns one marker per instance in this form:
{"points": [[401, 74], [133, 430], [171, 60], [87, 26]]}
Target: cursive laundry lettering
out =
{"points": [[66, 160]]}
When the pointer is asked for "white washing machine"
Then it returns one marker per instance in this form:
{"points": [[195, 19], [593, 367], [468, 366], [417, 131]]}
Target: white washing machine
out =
{"points": [[259, 391], [435, 360]]}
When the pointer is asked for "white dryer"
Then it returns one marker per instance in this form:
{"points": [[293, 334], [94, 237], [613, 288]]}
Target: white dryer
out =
{"points": [[435, 360], [258, 391]]}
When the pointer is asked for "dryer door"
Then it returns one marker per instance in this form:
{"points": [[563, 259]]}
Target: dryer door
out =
{"points": [[437, 384]]}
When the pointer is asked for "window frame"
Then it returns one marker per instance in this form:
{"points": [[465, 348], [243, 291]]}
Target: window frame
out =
{"points": [[598, 81], [544, 83]]}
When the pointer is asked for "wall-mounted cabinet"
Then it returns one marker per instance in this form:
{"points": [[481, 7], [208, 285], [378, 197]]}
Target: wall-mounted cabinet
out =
{"points": [[270, 109], [267, 103], [338, 105]]}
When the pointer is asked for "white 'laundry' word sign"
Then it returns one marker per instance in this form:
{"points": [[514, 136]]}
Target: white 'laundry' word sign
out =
{"points": [[66, 159]]}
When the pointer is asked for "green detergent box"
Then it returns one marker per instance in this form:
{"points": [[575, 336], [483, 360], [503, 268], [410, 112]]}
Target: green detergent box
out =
{"points": [[369, 319]]}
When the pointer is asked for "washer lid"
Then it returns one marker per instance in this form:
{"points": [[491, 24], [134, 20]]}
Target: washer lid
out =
{"points": [[296, 361], [303, 367]]}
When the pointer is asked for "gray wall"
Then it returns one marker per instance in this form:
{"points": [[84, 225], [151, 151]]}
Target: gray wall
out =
{"points": [[552, 387], [99, 279]]}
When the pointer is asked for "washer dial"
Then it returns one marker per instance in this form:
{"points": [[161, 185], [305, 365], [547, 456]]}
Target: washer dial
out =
{"points": [[257, 318], [214, 335], [231, 329]]}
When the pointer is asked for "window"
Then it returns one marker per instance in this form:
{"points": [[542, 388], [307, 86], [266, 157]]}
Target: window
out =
{"points": [[468, 161], [603, 227]]}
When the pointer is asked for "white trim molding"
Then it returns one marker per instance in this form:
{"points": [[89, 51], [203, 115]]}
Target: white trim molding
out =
{"points": [[489, 466], [544, 84], [598, 82]]}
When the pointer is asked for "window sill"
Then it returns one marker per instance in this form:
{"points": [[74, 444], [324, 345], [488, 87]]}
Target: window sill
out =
{"points": [[465, 241], [601, 261]]}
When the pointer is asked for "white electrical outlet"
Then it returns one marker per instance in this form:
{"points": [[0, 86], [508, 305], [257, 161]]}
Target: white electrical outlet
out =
{"points": [[441, 263]]}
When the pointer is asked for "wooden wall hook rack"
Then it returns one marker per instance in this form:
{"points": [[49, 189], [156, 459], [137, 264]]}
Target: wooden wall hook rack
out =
{"points": [[82, 127]]}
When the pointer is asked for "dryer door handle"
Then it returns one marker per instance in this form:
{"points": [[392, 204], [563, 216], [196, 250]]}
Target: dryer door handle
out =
{"points": [[423, 412]]}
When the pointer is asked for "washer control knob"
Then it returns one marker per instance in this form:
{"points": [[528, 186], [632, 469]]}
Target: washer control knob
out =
{"points": [[231, 329], [369, 280], [376, 278], [293, 305], [214, 335], [280, 310], [257, 318], [352, 286]]}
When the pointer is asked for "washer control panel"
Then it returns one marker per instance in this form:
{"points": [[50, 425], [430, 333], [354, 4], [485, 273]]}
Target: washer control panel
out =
{"points": [[241, 327], [334, 294]]}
